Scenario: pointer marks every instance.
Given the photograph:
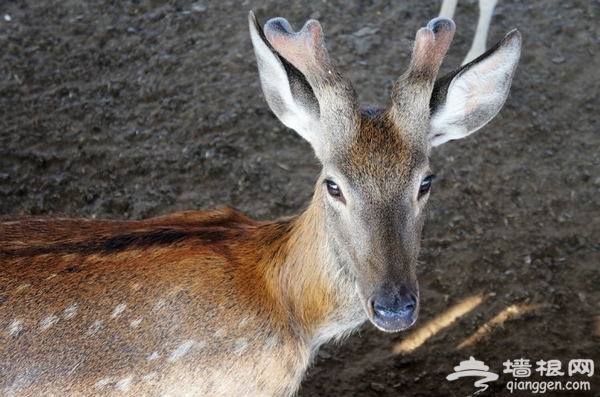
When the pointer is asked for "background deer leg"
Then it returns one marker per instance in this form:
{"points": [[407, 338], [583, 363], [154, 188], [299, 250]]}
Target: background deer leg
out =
{"points": [[448, 8], [486, 9]]}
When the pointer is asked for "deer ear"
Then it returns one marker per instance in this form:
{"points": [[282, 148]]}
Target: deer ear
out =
{"points": [[466, 99], [287, 92]]}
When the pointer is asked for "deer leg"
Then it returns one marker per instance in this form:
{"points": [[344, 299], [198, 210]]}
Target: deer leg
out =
{"points": [[486, 9], [448, 8]]}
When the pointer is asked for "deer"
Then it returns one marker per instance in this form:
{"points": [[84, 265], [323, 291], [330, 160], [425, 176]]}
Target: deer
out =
{"points": [[213, 303]]}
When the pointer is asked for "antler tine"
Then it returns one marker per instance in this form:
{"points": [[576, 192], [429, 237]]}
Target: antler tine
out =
{"points": [[305, 50], [412, 91]]}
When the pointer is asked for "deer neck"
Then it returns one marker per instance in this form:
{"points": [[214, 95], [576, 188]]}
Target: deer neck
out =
{"points": [[316, 294]]}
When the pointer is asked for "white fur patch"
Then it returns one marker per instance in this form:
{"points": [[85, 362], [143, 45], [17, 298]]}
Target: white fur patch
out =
{"points": [[239, 347], [15, 328], [103, 382], [48, 322], [135, 323], [118, 310], [124, 384], [181, 350], [94, 328], [70, 311]]}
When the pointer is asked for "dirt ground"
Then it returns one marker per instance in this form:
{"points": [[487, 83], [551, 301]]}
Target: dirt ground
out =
{"points": [[132, 109]]}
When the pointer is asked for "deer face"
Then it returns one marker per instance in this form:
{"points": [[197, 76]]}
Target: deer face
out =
{"points": [[376, 177], [374, 195]]}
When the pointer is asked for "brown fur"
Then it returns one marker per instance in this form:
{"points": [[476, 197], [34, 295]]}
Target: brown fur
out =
{"points": [[220, 281]]}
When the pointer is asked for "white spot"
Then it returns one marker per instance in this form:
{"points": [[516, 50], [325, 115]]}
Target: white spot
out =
{"points": [[159, 305], [239, 347], [149, 377], [15, 327], [118, 310], [124, 384], [7, 18], [94, 327], [136, 286], [71, 310], [243, 322], [153, 356], [103, 382], [181, 350], [22, 287], [135, 323], [219, 332], [49, 322], [51, 276]]}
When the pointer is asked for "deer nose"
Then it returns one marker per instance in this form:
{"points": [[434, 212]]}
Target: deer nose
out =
{"points": [[394, 312]]}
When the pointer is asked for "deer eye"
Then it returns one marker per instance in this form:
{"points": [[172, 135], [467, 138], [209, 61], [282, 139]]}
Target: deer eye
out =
{"points": [[334, 191], [426, 185]]}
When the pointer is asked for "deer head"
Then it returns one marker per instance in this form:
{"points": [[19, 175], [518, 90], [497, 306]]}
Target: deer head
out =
{"points": [[376, 176]]}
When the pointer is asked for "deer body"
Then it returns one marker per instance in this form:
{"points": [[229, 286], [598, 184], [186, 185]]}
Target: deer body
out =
{"points": [[215, 304], [139, 307]]}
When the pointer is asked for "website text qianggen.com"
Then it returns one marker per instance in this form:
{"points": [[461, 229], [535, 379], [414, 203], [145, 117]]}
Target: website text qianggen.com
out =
{"points": [[544, 386]]}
